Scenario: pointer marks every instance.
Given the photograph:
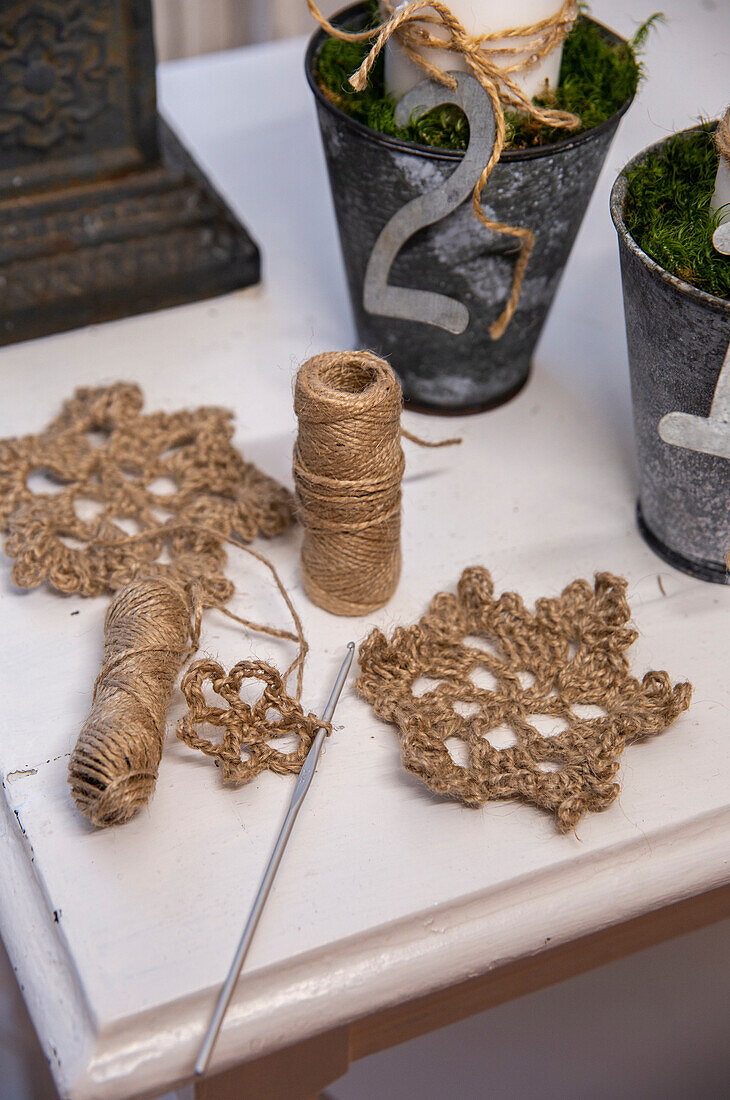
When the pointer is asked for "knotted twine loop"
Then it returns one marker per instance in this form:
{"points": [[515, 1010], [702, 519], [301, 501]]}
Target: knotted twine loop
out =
{"points": [[348, 469], [493, 66], [722, 137], [247, 728]]}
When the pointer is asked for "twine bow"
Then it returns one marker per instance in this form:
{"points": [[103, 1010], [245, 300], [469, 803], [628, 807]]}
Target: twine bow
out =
{"points": [[493, 66]]}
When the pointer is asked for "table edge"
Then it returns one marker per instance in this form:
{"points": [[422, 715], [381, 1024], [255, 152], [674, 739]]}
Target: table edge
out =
{"points": [[348, 979]]}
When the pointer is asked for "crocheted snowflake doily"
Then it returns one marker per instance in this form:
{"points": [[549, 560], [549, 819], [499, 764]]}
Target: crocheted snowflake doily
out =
{"points": [[124, 490], [251, 731], [495, 666]]}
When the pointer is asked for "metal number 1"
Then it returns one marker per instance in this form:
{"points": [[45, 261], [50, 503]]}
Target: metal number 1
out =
{"points": [[423, 305]]}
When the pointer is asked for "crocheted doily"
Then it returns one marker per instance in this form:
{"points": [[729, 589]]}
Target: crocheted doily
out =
{"points": [[549, 665], [250, 731], [116, 473]]}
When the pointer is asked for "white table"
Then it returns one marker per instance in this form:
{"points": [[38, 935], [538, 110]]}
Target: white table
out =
{"points": [[121, 938]]}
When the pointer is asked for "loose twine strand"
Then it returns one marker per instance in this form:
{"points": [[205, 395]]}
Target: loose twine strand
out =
{"points": [[493, 66], [348, 468], [152, 626]]}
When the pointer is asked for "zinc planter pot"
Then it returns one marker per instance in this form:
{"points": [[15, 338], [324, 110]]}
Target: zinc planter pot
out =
{"points": [[546, 189], [679, 343]]}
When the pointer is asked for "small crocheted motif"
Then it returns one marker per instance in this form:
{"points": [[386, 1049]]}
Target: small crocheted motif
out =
{"points": [[250, 731], [108, 469], [552, 664]]}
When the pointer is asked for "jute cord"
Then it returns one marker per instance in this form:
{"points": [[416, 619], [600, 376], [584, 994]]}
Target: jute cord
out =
{"points": [[260, 628], [348, 468], [494, 66], [544, 666]]}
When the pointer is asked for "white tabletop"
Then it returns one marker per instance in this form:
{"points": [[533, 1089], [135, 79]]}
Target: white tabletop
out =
{"points": [[121, 938]]}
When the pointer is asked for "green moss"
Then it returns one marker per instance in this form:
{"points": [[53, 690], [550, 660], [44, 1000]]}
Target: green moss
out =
{"points": [[337, 61], [596, 78], [667, 210]]}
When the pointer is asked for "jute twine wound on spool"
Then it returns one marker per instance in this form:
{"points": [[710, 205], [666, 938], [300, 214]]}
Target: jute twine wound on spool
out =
{"points": [[147, 632], [348, 469], [493, 64]]}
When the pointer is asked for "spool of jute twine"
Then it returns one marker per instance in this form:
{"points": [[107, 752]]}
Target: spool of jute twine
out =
{"points": [[150, 626], [494, 64], [348, 470]]}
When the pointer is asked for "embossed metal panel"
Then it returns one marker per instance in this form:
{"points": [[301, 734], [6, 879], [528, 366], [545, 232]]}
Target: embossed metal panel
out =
{"points": [[77, 90], [102, 213]]}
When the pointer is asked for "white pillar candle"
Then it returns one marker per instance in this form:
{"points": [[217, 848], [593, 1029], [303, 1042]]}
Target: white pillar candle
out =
{"points": [[478, 17], [721, 197]]}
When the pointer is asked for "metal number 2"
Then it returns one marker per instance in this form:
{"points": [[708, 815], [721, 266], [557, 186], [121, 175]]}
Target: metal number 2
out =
{"points": [[423, 305], [710, 436]]}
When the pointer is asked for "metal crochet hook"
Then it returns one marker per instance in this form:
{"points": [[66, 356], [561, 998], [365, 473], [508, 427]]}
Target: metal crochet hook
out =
{"points": [[302, 786]]}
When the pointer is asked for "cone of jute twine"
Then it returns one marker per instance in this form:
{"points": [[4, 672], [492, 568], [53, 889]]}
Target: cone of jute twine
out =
{"points": [[494, 65], [348, 469]]}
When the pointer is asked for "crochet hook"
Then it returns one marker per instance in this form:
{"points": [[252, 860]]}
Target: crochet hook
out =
{"points": [[303, 783]]}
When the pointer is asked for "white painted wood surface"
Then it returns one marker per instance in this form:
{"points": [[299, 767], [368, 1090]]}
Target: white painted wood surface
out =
{"points": [[385, 891]]}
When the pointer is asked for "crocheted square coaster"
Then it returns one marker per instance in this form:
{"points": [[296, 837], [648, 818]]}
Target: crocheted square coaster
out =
{"points": [[548, 665]]}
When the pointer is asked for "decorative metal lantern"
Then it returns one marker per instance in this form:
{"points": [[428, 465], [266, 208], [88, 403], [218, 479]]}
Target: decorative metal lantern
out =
{"points": [[102, 213]]}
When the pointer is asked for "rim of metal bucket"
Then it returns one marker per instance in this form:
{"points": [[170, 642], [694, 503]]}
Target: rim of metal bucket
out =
{"points": [[618, 200], [430, 151]]}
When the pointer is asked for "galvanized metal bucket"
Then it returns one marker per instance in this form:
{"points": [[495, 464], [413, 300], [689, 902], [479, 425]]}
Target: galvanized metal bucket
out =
{"points": [[546, 189], [679, 358]]}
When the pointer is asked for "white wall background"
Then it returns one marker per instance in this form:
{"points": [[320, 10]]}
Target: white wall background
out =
{"points": [[656, 1025], [187, 27]]}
